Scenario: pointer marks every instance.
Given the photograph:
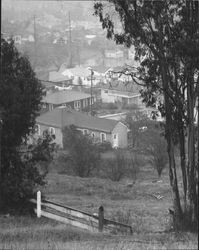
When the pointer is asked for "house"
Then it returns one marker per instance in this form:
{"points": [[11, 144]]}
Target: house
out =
{"points": [[101, 72], [73, 99], [60, 79], [114, 54], [100, 129], [112, 96], [80, 74]]}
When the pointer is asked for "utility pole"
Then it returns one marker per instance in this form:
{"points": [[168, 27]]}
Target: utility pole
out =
{"points": [[35, 43], [0, 160], [91, 106], [70, 41]]}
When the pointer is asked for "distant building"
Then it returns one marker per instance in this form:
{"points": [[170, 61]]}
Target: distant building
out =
{"points": [[80, 75], [113, 96], [114, 54], [70, 98], [98, 128], [60, 79]]}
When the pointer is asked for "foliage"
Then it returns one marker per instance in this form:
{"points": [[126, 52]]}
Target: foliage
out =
{"points": [[165, 37], [119, 165], [136, 121], [23, 178], [154, 145], [84, 155], [104, 146], [20, 96]]}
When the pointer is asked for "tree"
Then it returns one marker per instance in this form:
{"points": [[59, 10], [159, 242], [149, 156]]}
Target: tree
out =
{"points": [[120, 165], [84, 154], [154, 145], [136, 121], [165, 35], [20, 96], [25, 175], [116, 167]]}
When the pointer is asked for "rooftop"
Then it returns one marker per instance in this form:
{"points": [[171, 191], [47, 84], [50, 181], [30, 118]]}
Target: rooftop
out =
{"points": [[64, 96], [122, 93], [101, 68], [78, 71], [62, 117], [55, 76]]}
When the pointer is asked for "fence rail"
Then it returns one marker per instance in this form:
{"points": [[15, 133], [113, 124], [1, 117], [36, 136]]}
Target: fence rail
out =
{"points": [[60, 212]]}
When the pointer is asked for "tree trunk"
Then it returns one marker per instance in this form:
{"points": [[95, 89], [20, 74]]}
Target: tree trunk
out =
{"points": [[170, 147], [191, 168], [183, 162]]}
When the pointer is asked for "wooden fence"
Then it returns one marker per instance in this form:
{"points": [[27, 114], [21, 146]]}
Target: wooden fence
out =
{"points": [[78, 218]]}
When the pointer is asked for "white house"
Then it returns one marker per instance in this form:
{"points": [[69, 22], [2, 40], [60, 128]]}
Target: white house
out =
{"points": [[112, 96], [99, 129], [114, 54], [80, 74]]}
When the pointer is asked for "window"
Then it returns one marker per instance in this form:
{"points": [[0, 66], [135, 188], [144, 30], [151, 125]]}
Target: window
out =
{"points": [[50, 107], [45, 133], [93, 135], [37, 129], [106, 91], [44, 105], [85, 103], [102, 137], [91, 101], [77, 104], [85, 132], [52, 132], [114, 136]]}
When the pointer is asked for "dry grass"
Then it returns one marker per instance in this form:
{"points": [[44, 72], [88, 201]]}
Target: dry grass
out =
{"points": [[130, 204]]}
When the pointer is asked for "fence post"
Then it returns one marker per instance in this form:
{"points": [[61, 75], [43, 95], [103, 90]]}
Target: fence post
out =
{"points": [[101, 218], [38, 204]]}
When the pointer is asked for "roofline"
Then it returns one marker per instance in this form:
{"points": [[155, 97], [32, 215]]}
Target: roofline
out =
{"points": [[60, 127], [123, 95], [56, 103]]}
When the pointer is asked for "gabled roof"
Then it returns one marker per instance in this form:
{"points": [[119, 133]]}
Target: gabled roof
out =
{"points": [[101, 68], [64, 96], [55, 76], [62, 117], [78, 71], [122, 93]]}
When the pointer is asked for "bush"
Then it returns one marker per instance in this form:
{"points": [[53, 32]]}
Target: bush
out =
{"points": [[156, 147], [24, 176], [104, 146], [84, 155], [115, 168]]}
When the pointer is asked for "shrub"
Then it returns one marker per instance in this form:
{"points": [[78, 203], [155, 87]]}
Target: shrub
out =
{"points": [[24, 176], [84, 155], [156, 147], [104, 146], [116, 167]]}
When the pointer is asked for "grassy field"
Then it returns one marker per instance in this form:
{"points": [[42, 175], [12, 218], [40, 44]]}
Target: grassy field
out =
{"points": [[133, 204]]}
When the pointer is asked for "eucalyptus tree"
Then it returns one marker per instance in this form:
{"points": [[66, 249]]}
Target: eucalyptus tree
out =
{"points": [[165, 35]]}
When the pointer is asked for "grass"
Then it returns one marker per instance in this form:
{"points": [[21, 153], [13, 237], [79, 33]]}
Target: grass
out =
{"points": [[132, 204]]}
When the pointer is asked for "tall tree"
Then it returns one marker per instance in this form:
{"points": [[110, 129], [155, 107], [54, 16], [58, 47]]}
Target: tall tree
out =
{"points": [[166, 37], [20, 96]]}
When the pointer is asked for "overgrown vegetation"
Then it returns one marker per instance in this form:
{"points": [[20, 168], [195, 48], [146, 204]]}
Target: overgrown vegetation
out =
{"points": [[20, 96], [155, 146], [120, 165], [83, 154], [165, 37]]}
